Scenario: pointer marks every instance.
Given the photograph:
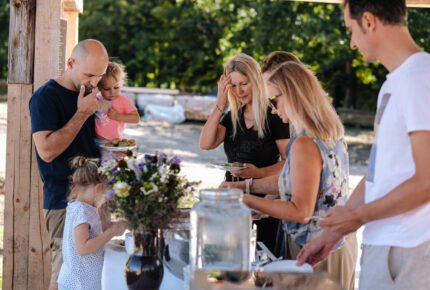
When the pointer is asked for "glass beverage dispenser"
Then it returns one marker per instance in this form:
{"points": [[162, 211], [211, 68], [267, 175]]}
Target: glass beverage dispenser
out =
{"points": [[220, 231]]}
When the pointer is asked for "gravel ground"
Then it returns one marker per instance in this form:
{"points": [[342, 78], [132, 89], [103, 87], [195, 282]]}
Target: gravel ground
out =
{"points": [[182, 140]]}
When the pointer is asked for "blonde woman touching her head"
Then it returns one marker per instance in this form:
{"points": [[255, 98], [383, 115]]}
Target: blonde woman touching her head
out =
{"points": [[251, 134], [315, 175]]}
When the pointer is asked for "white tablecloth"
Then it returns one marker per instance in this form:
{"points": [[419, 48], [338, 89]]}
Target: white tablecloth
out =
{"points": [[113, 277]]}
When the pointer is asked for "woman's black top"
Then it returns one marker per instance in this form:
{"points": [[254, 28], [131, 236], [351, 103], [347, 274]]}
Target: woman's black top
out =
{"points": [[247, 147]]}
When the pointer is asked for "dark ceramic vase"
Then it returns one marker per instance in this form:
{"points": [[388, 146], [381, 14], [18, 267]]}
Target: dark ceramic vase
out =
{"points": [[144, 268]]}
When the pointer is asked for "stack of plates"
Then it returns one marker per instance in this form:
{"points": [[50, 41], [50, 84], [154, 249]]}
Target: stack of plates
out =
{"points": [[287, 266]]}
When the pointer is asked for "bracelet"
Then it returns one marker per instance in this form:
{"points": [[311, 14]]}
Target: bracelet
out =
{"points": [[248, 184], [218, 108]]}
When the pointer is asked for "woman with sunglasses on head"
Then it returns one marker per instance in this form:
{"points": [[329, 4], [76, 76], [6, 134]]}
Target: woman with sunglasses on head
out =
{"points": [[252, 136], [315, 175]]}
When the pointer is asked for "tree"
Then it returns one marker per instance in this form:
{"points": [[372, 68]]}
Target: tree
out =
{"points": [[172, 44], [184, 43], [4, 37]]}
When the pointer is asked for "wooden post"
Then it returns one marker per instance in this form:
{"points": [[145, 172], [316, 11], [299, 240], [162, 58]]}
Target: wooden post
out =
{"points": [[46, 56], [71, 10], [19, 147], [34, 47]]}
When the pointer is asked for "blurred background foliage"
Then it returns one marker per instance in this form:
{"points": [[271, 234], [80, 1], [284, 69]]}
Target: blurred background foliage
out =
{"points": [[4, 42], [183, 44]]}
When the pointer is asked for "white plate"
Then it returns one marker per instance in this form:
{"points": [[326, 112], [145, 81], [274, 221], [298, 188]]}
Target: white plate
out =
{"points": [[227, 166], [287, 266], [113, 149]]}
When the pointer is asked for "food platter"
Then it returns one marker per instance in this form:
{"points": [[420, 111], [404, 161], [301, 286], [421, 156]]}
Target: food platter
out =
{"points": [[228, 166], [118, 148], [118, 144]]}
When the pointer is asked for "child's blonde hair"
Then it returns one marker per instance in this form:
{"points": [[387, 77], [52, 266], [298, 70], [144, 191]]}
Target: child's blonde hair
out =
{"points": [[249, 67], [115, 71], [85, 174], [307, 104]]}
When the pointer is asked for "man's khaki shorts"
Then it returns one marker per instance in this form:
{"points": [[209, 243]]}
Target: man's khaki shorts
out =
{"points": [[54, 219], [388, 267]]}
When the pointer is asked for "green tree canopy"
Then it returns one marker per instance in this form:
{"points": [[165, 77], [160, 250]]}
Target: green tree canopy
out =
{"points": [[184, 44], [4, 37]]}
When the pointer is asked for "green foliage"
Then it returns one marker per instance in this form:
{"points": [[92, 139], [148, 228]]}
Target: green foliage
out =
{"points": [[4, 37], [173, 44], [183, 44], [316, 34]]}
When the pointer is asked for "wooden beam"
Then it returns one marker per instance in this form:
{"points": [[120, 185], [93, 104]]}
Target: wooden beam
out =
{"points": [[18, 184], [47, 41], [21, 41], [73, 5], [47, 52], [409, 3], [39, 261]]}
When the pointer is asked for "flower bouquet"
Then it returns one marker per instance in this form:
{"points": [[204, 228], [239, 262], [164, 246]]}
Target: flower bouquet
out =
{"points": [[145, 192]]}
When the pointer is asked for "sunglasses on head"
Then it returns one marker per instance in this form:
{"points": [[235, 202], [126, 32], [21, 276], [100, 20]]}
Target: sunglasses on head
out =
{"points": [[272, 100]]}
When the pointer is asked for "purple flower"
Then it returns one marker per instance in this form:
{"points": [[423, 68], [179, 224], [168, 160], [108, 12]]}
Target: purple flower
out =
{"points": [[193, 189], [110, 193], [151, 158], [176, 161], [188, 184], [116, 172], [110, 181]]}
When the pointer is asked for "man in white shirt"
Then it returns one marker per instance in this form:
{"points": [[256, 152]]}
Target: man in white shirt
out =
{"points": [[392, 200]]}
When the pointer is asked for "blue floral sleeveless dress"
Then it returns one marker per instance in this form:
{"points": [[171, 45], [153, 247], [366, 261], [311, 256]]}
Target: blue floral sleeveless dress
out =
{"points": [[333, 189]]}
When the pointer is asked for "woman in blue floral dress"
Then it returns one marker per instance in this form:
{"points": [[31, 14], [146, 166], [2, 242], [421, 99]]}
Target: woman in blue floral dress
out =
{"points": [[315, 175]]}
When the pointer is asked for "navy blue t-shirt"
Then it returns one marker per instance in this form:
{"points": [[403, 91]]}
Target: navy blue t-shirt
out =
{"points": [[51, 107]]}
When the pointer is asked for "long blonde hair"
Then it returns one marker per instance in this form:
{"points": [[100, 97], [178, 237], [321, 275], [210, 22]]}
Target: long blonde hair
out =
{"points": [[85, 174], [307, 104], [247, 66]]}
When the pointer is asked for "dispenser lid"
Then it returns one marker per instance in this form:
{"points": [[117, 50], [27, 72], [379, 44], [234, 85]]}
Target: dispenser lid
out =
{"points": [[220, 193]]}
